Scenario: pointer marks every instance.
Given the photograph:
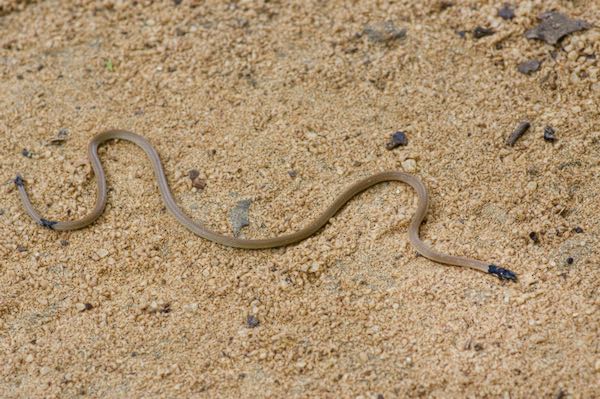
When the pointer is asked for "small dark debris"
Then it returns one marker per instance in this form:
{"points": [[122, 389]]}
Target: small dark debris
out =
{"points": [[480, 32], [555, 26], [64, 243], [292, 173], [252, 321], [478, 347], [549, 134], [529, 66], [1, 212], [461, 33], [397, 139], [87, 306], [578, 230], [20, 77], [519, 131], [534, 237], [40, 67], [506, 12], [134, 354], [177, 2], [384, 32], [138, 112], [193, 173], [21, 248], [26, 153], [570, 260], [380, 396]]}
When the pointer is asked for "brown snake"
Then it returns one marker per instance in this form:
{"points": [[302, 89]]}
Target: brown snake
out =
{"points": [[204, 232]]}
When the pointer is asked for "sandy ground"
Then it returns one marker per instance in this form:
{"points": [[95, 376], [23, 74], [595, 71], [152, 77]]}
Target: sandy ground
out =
{"points": [[286, 105]]}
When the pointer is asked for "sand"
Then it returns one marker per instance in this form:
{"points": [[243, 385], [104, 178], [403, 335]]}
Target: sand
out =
{"points": [[286, 105]]}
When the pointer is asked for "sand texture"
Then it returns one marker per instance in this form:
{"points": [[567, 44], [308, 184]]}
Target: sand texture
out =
{"points": [[276, 107]]}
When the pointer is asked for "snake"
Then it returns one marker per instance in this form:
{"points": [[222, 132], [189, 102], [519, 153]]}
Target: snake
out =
{"points": [[284, 240]]}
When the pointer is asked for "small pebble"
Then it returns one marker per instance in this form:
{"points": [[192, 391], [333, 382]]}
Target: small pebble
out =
{"points": [[21, 248], [578, 230], [102, 253], [292, 173], [384, 32], [252, 321], [531, 186], [506, 12], [64, 243], [397, 139], [529, 67], [549, 134], [410, 165], [534, 237], [26, 153], [480, 32]]}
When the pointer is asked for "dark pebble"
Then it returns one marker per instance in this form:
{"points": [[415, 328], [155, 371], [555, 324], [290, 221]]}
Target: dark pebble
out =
{"points": [[528, 67], [26, 153], [398, 139], [461, 33], [252, 321], [478, 347], [193, 174], [292, 173], [570, 260], [20, 77], [534, 237], [578, 230], [555, 26], [177, 2], [480, 32], [549, 134], [506, 12], [88, 306], [64, 243], [21, 248], [1, 212]]}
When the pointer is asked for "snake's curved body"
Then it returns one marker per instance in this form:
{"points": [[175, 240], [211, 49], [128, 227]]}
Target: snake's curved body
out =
{"points": [[204, 232]]}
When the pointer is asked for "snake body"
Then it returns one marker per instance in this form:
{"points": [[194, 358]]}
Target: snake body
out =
{"points": [[204, 232]]}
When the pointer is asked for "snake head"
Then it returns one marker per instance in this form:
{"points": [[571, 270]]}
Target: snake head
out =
{"points": [[19, 181], [501, 273], [49, 224]]}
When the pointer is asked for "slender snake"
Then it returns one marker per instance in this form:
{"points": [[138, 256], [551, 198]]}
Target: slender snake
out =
{"points": [[204, 232]]}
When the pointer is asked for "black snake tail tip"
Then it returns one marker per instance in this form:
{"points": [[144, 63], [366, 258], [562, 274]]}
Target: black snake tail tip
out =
{"points": [[19, 181], [501, 273], [47, 223]]}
